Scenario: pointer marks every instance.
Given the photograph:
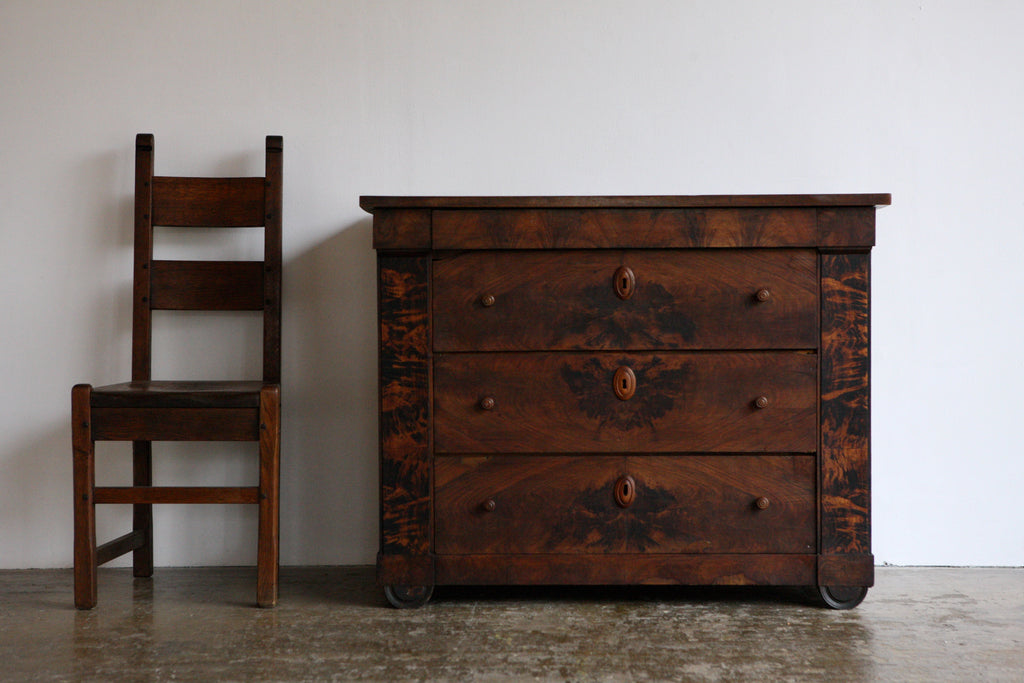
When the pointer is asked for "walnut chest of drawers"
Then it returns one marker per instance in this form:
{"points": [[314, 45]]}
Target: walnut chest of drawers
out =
{"points": [[620, 390]]}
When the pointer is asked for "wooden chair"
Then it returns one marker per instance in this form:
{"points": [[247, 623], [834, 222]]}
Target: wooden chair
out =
{"points": [[146, 410]]}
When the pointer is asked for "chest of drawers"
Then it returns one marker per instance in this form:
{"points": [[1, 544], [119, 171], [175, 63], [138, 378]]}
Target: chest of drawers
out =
{"points": [[620, 390]]}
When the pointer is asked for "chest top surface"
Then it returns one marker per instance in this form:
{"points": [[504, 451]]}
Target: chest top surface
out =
{"points": [[839, 221]]}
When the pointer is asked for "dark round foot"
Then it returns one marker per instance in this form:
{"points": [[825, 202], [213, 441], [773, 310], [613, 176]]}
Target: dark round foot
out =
{"points": [[407, 597], [839, 597]]}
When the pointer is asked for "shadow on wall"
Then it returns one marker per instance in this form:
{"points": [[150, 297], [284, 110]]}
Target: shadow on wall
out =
{"points": [[76, 328], [329, 437]]}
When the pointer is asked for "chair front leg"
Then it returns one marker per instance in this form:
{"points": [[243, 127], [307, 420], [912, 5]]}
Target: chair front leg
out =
{"points": [[83, 453], [142, 514], [267, 560]]}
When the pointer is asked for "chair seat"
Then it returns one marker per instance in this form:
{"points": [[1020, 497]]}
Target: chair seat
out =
{"points": [[177, 394]]}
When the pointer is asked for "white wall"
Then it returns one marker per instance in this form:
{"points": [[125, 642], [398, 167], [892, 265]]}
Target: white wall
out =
{"points": [[919, 98]]}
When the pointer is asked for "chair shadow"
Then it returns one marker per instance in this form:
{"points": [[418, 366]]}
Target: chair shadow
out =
{"points": [[329, 435]]}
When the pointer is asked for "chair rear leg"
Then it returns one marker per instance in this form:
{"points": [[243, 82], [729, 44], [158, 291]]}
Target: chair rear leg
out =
{"points": [[83, 453], [267, 560], [142, 514]]}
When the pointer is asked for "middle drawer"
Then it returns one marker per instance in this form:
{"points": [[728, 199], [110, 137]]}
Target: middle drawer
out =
{"points": [[664, 402]]}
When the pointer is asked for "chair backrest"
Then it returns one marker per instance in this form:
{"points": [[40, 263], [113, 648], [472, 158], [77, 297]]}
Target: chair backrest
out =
{"points": [[206, 285]]}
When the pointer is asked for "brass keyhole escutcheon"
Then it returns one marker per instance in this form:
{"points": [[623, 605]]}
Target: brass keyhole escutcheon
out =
{"points": [[624, 282], [625, 491], [624, 383]]}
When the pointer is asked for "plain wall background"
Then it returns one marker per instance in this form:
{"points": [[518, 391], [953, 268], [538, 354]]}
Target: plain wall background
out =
{"points": [[919, 98]]}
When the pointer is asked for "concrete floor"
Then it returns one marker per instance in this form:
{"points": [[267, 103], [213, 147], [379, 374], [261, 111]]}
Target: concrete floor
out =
{"points": [[919, 624]]}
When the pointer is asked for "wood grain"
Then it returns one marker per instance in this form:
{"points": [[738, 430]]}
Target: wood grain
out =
{"points": [[207, 285], [142, 315], [142, 513], [84, 480], [179, 394], [622, 228], [268, 544], [405, 471], [845, 415], [273, 274], [132, 541], [846, 570], [692, 569], [565, 402], [682, 299], [685, 504], [206, 495], [846, 226], [208, 202], [175, 424], [401, 229]]}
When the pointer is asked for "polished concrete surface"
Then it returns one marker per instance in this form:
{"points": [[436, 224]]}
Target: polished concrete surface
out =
{"points": [[917, 624]]}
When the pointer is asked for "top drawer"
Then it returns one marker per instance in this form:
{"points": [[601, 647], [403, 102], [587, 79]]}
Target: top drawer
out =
{"points": [[626, 300]]}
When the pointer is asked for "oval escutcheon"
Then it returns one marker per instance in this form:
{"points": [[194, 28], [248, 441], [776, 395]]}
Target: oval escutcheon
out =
{"points": [[624, 282], [624, 383], [625, 491]]}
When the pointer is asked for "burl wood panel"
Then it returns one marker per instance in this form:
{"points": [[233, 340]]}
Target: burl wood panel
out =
{"points": [[623, 228], [845, 418], [848, 226], [566, 402], [681, 299], [404, 404], [401, 229], [686, 504]]}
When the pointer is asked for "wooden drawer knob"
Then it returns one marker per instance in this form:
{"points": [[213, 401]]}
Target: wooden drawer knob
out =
{"points": [[763, 295], [761, 402], [762, 503], [487, 403], [625, 491], [624, 282], [487, 300], [488, 505]]}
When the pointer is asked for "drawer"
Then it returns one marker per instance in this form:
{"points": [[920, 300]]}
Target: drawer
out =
{"points": [[628, 300], [617, 504], [614, 402]]}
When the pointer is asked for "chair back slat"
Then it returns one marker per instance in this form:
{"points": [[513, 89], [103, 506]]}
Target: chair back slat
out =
{"points": [[208, 202], [206, 285]]}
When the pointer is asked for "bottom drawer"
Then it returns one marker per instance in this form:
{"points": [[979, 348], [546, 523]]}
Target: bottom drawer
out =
{"points": [[624, 504]]}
